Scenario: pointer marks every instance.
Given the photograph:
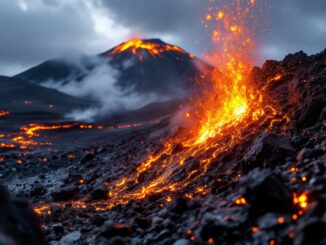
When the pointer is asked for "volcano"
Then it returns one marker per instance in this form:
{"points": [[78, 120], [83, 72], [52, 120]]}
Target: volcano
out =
{"points": [[151, 72], [144, 66]]}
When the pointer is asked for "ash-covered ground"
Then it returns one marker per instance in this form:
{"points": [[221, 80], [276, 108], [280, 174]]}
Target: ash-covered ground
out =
{"points": [[268, 189]]}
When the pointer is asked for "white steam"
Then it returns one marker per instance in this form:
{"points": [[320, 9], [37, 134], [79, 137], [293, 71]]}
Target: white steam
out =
{"points": [[101, 85]]}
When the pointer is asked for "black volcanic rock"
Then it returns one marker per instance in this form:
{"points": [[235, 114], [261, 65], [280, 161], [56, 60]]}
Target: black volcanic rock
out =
{"points": [[110, 229], [265, 192], [268, 150], [301, 90], [66, 194], [18, 223], [99, 192], [310, 231]]}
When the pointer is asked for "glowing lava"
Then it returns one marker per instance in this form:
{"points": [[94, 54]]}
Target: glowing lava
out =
{"points": [[26, 138], [155, 49]]}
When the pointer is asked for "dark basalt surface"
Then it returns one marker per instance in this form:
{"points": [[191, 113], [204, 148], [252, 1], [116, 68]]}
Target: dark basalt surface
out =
{"points": [[272, 168]]}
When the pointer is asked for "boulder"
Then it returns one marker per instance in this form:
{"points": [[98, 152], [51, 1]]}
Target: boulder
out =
{"points": [[99, 193], [269, 150], [310, 231], [65, 194], [111, 229], [18, 223], [265, 192]]}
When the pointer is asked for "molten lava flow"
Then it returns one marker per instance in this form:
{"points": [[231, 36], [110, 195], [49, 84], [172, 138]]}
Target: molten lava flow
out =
{"points": [[154, 49], [222, 116], [26, 138]]}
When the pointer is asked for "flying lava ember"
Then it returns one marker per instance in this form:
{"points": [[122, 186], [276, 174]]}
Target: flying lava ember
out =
{"points": [[221, 117]]}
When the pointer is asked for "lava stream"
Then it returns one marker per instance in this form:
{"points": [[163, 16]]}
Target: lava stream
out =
{"points": [[26, 138]]}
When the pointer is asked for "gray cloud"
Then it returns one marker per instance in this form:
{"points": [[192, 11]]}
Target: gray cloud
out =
{"points": [[35, 30], [293, 25]]}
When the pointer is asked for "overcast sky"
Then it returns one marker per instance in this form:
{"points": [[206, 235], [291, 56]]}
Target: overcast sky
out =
{"points": [[35, 30]]}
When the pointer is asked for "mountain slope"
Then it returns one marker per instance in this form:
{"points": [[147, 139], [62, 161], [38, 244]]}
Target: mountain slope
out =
{"points": [[17, 95]]}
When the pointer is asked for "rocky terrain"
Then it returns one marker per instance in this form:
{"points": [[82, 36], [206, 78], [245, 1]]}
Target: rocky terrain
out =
{"points": [[269, 189]]}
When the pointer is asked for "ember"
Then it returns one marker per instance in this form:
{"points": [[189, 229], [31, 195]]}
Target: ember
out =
{"points": [[4, 113], [301, 201]]}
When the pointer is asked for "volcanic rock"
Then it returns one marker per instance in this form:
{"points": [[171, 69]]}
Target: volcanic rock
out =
{"points": [[66, 194], [18, 223], [142, 222], [38, 190], [269, 150], [58, 228], [98, 220], [88, 157], [177, 148], [70, 238], [311, 111], [310, 231], [219, 230], [265, 192], [110, 229], [179, 205], [99, 193], [304, 153], [181, 242]]}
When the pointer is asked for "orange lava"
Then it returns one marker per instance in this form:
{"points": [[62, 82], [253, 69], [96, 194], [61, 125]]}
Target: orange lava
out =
{"points": [[300, 200], [26, 138], [155, 49]]}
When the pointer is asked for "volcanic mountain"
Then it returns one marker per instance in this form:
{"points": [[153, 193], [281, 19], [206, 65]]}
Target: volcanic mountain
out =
{"points": [[143, 67], [20, 96]]}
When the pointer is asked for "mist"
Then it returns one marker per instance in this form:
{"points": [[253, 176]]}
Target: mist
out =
{"points": [[101, 85]]}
